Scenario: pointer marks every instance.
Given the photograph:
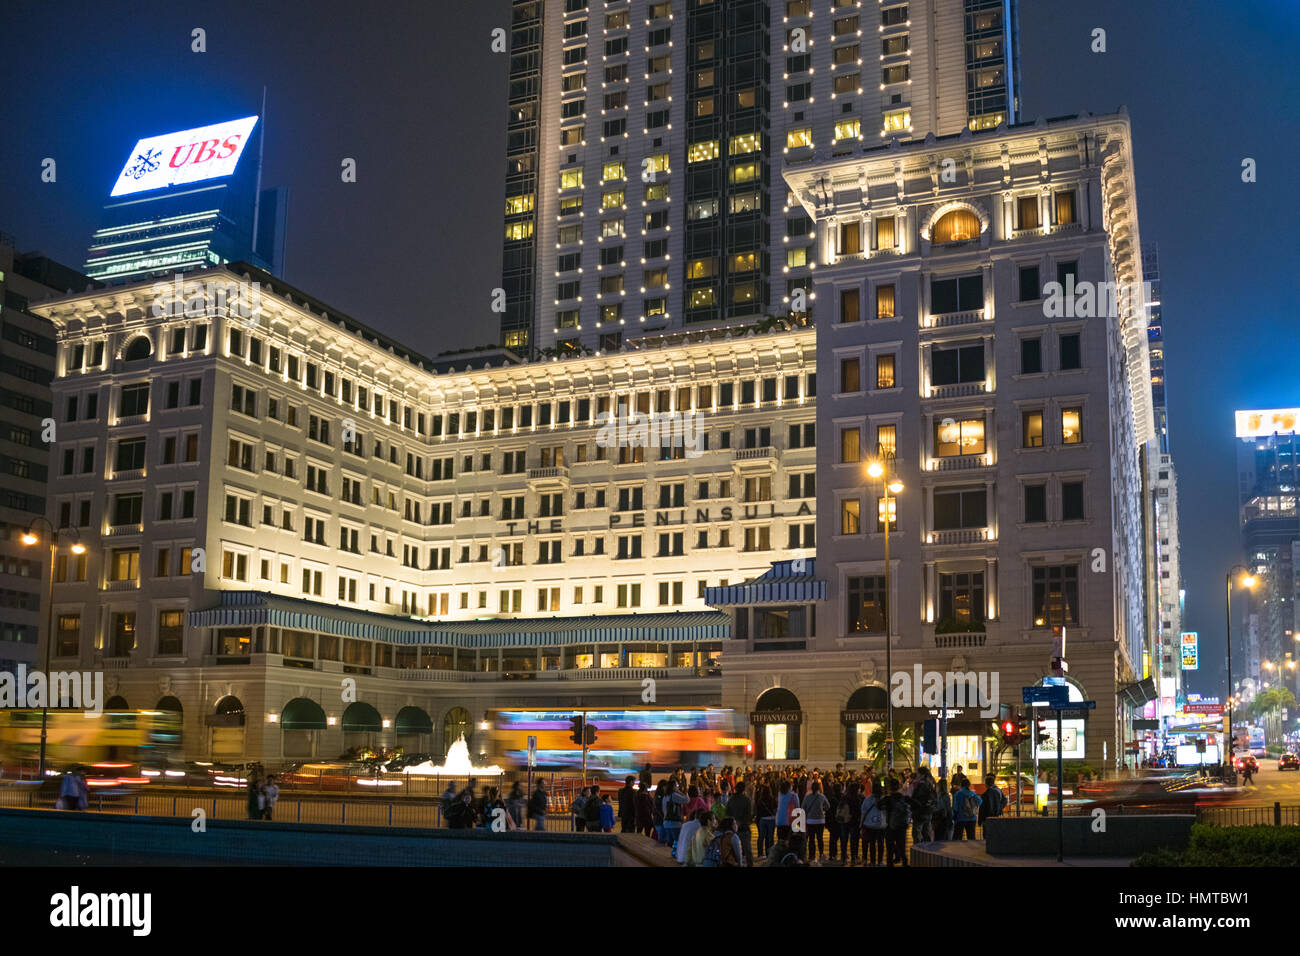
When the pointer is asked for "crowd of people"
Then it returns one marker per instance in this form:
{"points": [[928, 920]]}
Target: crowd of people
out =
{"points": [[747, 816]]}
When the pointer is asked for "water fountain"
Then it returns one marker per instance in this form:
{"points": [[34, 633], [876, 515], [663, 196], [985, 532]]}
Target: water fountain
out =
{"points": [[456, 764]]}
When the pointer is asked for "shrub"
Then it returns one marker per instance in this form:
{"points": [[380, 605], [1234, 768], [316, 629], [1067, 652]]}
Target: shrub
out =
{"points": [[1260, 845]]}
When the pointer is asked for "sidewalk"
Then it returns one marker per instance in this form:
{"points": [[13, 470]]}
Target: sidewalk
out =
{"points": [[972, 853]]}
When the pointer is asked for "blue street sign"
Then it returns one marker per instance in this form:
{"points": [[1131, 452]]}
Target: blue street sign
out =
{"points": [[1053, 696]]}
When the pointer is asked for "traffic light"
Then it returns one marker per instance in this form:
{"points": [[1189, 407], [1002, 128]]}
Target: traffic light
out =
{"points": [[1009, 728], [589, 734], [577, 735], [1044, 735]]}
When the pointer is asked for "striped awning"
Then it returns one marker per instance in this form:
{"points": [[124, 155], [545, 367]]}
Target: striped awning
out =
{"points": [[786, 582], [255, 608]]}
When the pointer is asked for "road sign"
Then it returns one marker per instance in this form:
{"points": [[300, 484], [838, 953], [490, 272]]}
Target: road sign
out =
{"points": [[1074, 713], [1053, 696]]}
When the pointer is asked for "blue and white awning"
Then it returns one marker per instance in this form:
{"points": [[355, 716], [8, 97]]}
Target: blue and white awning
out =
{"points": [[255, 608], [786, 582]]}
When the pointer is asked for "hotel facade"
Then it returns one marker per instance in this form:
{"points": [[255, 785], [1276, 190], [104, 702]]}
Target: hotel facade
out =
{"points": [[304, 536]]}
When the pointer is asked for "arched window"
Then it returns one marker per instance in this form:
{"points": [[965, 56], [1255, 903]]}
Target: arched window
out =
{"points": [[138, 348], [455, 725], [956, 225], [778, 720]]}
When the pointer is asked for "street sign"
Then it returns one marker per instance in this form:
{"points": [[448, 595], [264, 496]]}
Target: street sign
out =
{"points": [[1053, 696], [1074, 712]]}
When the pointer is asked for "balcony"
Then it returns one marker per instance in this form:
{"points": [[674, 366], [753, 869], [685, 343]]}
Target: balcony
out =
{"points": [[122, 529], [962, 536], [961, 390], [947, 320], [765, 453], [978, 637], [960, 463], [551, 476], [965, 639]]}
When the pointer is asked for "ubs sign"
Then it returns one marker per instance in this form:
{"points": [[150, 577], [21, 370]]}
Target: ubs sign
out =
{"points": [[186, 156]]}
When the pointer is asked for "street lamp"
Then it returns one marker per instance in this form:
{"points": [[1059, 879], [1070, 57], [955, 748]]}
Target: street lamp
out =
{"points": [[1247, 581], [884, 468], [30, 538]]}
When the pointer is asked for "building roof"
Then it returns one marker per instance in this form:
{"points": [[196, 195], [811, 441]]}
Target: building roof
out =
{"points": [[786, 582]]}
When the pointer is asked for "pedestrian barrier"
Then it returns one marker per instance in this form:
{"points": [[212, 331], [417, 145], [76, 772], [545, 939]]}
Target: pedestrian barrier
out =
{"points": [[1276, 815]]}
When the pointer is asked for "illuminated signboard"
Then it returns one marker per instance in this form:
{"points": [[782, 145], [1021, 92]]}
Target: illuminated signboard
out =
{"points": [[1260, 423], [1190, 651], [187, 156]]}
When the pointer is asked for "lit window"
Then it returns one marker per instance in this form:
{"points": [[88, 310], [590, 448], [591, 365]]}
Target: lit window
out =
{"points": [[571, 179], [959, 437], [612, 170], [700, 152], [1071, 426], [703, 297], [658, 163], [896, 120], [744, 173], [956, 226], [519, 230], [519, 204], [745, 143], [702, 268], [848, 129], [612, 199], [796, 257], [797, 138], [744, 262]]}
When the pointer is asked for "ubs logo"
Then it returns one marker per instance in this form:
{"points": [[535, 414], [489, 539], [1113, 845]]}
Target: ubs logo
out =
{"points": [[146, 162], [201, 151]]}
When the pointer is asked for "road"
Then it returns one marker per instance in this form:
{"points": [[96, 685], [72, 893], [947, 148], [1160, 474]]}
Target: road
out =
{"points": [[1270, 786]]}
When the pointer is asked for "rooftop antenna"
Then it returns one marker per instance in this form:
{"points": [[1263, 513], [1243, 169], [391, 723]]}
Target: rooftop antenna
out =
{"points": [[257, 195]]}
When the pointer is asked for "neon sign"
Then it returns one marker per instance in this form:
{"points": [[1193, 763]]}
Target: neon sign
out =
{"points": [[186, 156]]}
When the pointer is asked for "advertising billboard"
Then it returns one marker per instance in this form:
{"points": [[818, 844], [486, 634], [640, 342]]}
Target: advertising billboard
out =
{"points": [[1260, 423], [186, 156], [1190, 650]]}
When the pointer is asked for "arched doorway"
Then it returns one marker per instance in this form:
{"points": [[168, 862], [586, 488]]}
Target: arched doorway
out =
{"points": [[414, 730], [226, 728], [362, 726], [455, 725], [865, 712], [301, 722], [777, 720]]}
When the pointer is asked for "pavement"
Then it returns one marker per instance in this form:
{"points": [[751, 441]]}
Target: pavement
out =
{"points": [[972, 853]]}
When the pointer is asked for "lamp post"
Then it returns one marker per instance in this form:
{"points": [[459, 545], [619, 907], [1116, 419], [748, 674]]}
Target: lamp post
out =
{"points": [[880, 468], [1248, 581], [29, 538]]}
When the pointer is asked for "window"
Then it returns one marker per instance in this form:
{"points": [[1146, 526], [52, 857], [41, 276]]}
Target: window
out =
{"points": [[1072, 501], [702, 151], [961, 598], [134, 400], [884, 371], [850, 308], [959, 294], [1035, 504], [1056, 595], [957, 365], [1027, 212], [1031, 429], [1031, 356], [124, 565], [1030, 290], [895, 74], [848, 129], [957, 225], [130, 454], [1065, 210], [865, 604], [797, 138], [1067, 274], [887, 439], [883, 502], [953, 437], [850, 445], [850, 375], [1070, 354], [885, 301], [1071, 425], [850, 516], [954, 510]]}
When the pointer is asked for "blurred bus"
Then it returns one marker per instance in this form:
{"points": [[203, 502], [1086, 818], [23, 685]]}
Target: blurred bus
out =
{"points": [[146, 738], [626, 740]]}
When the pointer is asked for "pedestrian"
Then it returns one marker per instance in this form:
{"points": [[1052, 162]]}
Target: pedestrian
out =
{"points": [[592, 810], [461, 815], [627, 806], [447, 799], [607, 815], [942, 812], [898, 814], [578, 807], [786, 801], [765, 813], [741, 809], [270, 794], [516, 803], [724, 849], [254, 796], [72, 791], [873, 826], [674, 804], [815, 806], [646, 779], [924, 802], [537, 805], [965, 811], [645, 812], [852, 831], [684, 838], [994, 802]]}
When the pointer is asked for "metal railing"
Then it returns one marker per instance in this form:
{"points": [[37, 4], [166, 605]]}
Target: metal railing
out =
{"points": [[1276, 815]]}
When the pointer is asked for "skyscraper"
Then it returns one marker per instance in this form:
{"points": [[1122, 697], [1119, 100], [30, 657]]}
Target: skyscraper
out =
{"points": [[189, 199], [647, 140]]}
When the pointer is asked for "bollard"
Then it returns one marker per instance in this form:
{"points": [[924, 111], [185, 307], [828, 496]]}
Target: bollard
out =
{"points": [[1277, 813]]}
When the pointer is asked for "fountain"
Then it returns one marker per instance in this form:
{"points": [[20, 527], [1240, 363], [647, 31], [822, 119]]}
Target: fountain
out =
{"points": [[456, 764]]}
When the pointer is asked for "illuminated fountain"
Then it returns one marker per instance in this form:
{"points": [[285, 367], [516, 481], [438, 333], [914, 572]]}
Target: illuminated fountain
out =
{"points": [[457, 764]]}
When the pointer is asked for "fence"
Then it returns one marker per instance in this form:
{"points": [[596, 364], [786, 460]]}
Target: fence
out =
{"points": [[233, 805], [1276, 815]]}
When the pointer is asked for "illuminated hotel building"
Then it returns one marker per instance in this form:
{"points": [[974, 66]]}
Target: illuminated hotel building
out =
{"points": [[187, 200], [274, 505], [1268, 475], [1016, 429], [646, 141]]}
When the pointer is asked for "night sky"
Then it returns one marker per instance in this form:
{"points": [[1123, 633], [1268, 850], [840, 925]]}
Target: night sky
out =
{"points": [[413, 92]]}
